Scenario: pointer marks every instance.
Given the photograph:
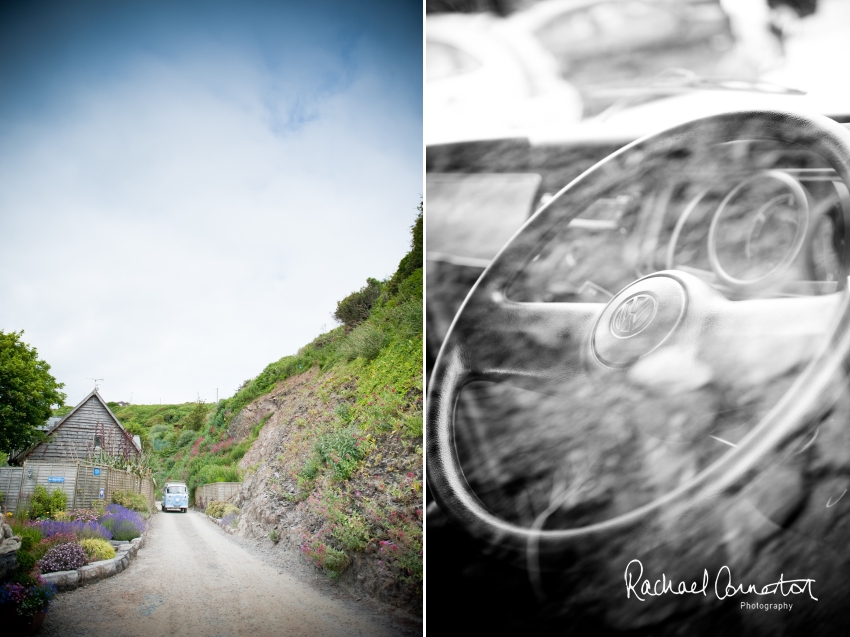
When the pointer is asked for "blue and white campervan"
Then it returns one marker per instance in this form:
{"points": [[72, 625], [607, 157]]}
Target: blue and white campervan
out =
{"points": [[175, 495]]}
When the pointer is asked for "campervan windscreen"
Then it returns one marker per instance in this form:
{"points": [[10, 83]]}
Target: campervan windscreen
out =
{"points": [[176, 489]]}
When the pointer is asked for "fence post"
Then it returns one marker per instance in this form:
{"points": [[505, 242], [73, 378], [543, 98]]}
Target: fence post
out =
{"points": [[21, 488]]}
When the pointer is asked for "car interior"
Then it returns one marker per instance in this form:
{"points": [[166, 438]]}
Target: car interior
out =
{"points": [[637, 352]]}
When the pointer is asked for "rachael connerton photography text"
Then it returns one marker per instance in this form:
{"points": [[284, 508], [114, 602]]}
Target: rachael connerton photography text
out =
{"points": [[723, 585]]}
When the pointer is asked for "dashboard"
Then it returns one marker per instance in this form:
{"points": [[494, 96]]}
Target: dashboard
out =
{"points": [[752, 219]]}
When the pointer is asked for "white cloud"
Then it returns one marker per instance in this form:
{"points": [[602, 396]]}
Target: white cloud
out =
{"points": [[164, 231]]}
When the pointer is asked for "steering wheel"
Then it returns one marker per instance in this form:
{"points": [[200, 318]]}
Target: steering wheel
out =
{"points": [[555, 344]]}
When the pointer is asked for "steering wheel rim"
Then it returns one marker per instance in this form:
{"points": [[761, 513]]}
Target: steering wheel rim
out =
{"points": [[488, 315]]}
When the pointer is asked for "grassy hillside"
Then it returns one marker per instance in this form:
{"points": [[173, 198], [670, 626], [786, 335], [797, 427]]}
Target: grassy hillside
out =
{"points": [[354, 460]]}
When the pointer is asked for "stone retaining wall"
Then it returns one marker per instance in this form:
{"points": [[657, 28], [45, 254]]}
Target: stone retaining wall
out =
{"points": [[207, 493], [229, 529], [125, 552]]}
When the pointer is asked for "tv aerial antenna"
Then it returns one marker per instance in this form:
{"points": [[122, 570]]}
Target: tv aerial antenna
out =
{"points": [[97, 381]]}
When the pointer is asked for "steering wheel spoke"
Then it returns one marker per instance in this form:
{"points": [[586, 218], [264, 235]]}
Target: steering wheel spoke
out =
{"points": [[749, 343], [736, 344], [525, 343]]}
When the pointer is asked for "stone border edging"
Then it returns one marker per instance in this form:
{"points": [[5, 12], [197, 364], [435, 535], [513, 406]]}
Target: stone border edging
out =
{"points": [[125, 552], [229, 529]]}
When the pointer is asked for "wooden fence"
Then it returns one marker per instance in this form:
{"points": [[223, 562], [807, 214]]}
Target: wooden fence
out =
{"points": [[10, 486], [82, 483], [207, 493]]}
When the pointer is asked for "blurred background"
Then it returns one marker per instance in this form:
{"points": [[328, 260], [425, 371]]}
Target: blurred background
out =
{"points": [[538, 68]]}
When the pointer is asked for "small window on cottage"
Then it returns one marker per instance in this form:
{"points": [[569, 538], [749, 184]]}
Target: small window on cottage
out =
{"points": [[98, 442]]}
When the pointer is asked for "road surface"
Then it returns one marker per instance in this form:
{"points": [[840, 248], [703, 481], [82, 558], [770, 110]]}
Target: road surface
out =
{"points": [[191, 578]]}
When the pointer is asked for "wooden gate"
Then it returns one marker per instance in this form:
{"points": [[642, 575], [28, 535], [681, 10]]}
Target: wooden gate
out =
{"points": [[10, 487]]}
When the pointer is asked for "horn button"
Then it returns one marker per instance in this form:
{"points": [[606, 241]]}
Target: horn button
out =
{"points": [[638, 320]]}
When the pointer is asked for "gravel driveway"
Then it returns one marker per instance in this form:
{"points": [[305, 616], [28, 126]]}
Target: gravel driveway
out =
{"points": [[191, 578]]}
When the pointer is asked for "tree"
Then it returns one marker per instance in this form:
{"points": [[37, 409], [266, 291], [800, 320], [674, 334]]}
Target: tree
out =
{"points": [[356, 307], [27, 393], [196, 418]]}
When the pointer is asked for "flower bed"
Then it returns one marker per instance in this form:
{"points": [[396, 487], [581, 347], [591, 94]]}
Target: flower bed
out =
{"points": [[62, 553]]}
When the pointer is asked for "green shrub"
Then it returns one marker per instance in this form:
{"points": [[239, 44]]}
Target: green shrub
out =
{"points": [[160, 444], [406, 318], [131, 500], [220, 508], [187, 437], [58, 501], [43, 504], [365, 341], [411, 425], [356, 307], [197, 418], [39, 502], [413, 260], [255, 430], [331, 560], [411, 288], [217, 473], [159, 437], [40, 549], [160, 428], [26, 561], [236, 453], [97, 550], [339, 451], [352, 532]]}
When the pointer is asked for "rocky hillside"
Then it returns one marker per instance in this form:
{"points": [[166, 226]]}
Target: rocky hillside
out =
{"points": [[356, 515]]}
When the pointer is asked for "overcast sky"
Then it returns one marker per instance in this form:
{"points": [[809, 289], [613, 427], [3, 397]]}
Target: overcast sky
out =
{"points": [[186, 189]]}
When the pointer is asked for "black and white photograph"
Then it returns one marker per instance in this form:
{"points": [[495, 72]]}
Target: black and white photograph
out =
{"points": [[211, 318], [637, 317]]}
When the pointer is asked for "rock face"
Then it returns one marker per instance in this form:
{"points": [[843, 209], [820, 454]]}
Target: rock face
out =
{"points": [[268, 499], [275, 500]]}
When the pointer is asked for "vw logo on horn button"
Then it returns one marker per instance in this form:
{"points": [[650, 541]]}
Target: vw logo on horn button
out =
{"points": [[633, 315]]}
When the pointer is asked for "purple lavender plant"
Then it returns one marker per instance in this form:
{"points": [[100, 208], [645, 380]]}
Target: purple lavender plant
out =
{"points": [[229, 520], [64, 557], [80, 529], [93, 530], [122, 523]]}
